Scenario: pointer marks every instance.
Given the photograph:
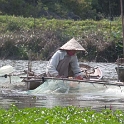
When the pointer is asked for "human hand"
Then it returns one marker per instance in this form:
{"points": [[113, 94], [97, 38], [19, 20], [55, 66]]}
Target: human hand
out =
{"points": [[79, 77]]}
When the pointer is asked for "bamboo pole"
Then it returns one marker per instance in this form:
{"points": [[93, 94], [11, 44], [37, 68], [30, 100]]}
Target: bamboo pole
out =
{"points": [[101, 82], [122, 17], [33, 78]]}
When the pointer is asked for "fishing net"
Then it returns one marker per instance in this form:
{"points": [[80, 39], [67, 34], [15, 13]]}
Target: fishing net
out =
{"points": [[53, 86]]}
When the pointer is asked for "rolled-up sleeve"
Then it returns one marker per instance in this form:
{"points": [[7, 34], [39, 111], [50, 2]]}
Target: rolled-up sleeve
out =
{"points": [[53, 63]]}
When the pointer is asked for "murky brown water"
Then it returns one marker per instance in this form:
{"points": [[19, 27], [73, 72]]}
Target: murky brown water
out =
{"points": [[89, 95]]}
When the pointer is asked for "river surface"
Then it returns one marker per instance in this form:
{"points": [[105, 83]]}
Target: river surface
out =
{"points": [[88, 95]]}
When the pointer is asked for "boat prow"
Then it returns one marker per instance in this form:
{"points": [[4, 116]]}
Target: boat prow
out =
{"points": [[97, 74]]}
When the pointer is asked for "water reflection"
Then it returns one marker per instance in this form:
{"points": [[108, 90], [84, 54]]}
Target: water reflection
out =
{"points": [[88, 95]]}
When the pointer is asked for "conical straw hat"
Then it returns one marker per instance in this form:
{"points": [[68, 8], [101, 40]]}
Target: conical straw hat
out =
{"points": [[72, 45]]}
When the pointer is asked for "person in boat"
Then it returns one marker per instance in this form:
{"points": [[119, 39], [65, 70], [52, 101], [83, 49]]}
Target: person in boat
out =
{"points": [[64, 62]]}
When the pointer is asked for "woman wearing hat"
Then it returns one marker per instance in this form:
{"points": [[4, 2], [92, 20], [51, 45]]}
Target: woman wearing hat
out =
{"points": [[64, 62]]}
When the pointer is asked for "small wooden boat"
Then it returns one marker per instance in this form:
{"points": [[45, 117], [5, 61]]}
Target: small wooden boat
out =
{"points": [[92, 74]]}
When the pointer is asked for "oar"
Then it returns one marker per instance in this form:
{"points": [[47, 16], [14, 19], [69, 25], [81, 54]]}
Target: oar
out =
{"points": [[33, 78], [67, 79], [87, 81]]}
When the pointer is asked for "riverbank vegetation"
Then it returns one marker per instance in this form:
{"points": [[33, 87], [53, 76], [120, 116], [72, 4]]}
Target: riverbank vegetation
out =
{"points": [[60, 115], [35, 29], [18, 35]]}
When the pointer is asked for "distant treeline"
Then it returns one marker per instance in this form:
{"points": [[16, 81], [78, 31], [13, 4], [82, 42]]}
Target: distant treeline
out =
{"points": [[62, 9]]}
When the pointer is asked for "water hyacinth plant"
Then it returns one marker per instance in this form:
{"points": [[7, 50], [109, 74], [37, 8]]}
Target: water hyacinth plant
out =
{"points": [[60, 115]]}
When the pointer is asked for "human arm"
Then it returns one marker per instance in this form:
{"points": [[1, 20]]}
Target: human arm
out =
{"points": [[53, 63]]}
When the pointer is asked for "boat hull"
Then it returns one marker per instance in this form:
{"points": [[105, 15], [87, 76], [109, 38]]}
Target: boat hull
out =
{"points": [[31, 85]]}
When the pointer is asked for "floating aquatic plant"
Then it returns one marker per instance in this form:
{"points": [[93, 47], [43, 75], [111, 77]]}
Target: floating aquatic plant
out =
{"points": [[60, 115]]}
